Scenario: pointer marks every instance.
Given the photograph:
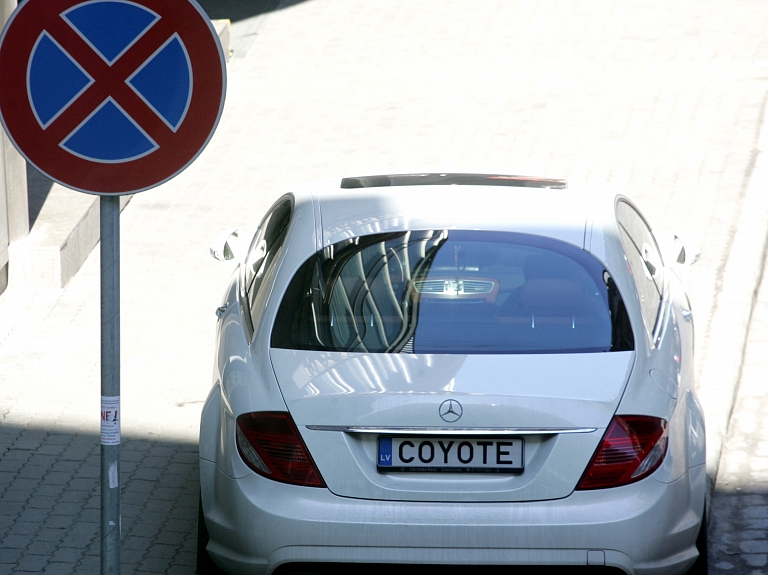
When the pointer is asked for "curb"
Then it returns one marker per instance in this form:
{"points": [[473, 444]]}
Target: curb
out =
{"points": [[729, 328], [223, 29], [64, 234]]}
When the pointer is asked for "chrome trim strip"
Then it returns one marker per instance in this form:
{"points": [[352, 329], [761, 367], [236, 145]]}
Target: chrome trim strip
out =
{"points": [[465, 431]]}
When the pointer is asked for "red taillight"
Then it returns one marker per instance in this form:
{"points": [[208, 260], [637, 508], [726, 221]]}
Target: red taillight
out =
{"points": [[632, 448], [270, 444]]}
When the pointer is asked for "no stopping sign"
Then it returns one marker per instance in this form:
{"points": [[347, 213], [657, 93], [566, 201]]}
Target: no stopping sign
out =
{"points": [[110, 96]]}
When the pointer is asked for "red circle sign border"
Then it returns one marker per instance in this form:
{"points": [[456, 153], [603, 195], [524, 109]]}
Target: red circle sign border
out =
{"points": [[177, 150]]}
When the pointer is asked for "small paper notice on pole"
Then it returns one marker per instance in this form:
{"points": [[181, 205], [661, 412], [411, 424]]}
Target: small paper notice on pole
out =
{"points": [[110, 420], [114, 481]]}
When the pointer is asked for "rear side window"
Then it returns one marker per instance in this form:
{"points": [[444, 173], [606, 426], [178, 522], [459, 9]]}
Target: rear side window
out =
{"points": [[262, 253], [441, 291], [644, 260]]}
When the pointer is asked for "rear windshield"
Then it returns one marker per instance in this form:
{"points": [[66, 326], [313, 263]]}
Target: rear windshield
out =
{"points": [[441, 291]]}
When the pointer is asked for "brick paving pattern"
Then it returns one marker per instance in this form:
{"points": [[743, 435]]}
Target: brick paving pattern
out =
{"points": [[662, 100], [50, 510], [739, 529]]}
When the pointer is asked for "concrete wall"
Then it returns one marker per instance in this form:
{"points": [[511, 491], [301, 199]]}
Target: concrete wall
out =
{"points": [[14, 212]]}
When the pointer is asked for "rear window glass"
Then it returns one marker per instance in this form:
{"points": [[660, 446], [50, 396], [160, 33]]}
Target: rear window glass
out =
{"points": [[441, 291]]}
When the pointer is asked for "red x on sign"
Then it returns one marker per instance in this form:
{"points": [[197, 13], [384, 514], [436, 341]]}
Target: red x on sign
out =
{"points": [[110, 96]]}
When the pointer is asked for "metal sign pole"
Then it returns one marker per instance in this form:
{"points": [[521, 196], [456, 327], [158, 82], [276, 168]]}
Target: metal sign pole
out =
{"points": [[110, 385]]}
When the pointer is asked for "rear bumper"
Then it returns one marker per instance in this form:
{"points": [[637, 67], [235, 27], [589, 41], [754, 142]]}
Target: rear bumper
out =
{"points": [[256, 525]]}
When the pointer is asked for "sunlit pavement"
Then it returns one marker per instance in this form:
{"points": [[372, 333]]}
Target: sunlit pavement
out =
{"points": [[661, 100]]}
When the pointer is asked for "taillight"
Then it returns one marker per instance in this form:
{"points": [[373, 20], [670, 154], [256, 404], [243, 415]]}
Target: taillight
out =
{"points": [[270, 444], [633, 447]]}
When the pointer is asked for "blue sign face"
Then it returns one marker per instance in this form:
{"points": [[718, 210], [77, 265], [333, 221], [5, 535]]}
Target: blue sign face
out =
{"points": [[109, 134]]}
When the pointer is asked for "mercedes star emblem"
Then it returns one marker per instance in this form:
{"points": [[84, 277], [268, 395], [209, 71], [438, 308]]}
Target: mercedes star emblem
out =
{"points": [[450, 410]]}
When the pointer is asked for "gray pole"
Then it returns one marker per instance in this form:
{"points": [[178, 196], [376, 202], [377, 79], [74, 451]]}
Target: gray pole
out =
{"points": [[110, 385]]}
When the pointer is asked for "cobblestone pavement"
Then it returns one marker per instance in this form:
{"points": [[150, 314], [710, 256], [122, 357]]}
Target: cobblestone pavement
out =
{"points": [[662, 100], [49, 484], [739, 526]]}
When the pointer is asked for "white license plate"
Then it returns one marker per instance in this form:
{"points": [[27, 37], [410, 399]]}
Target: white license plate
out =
{"points": [[451, 454]]}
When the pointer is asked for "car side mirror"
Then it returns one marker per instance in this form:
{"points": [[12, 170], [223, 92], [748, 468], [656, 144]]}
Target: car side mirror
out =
{"points": [[227, 246], [678, 251]]}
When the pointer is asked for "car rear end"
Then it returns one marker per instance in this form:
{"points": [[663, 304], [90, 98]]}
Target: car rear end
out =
{"points": [[451, 397]]}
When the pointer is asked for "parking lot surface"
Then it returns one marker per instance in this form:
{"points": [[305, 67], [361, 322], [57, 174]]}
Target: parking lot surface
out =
{"points": [[662, 101]]}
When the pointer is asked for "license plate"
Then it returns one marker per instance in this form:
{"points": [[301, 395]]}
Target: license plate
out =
{"points": [[451, 454]]}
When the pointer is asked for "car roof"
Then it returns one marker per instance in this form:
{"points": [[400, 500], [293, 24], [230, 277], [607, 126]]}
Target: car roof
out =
{"points": [[359, 206]]}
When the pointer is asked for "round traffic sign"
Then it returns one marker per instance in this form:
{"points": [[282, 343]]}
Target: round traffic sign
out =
{"points": [[110, 96]]}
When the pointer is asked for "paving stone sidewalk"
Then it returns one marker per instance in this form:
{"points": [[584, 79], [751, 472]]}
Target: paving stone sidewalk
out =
{"points": [[49, 480], [739, 526]]}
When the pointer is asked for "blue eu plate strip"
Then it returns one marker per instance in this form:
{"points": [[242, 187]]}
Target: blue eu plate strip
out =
{"points": [[385, 451]]}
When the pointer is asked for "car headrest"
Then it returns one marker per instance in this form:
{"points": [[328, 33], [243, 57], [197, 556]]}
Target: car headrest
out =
{"points": [[552, 297], [550, 265]]}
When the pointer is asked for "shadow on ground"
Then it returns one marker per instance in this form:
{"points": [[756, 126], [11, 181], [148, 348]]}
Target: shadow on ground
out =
{"points": [[737, 532], [237, 10], [50, 503], [38, 188]]}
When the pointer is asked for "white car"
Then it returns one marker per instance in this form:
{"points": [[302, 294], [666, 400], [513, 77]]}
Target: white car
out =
{"points": [[452, 369]]}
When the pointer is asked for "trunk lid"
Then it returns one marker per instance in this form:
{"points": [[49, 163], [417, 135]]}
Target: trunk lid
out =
{"points": [[558, 404]]}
